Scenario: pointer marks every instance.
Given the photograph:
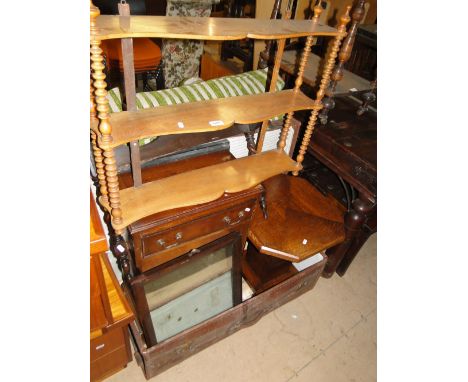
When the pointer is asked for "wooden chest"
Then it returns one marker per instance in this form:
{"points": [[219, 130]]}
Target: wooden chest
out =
{"points": [[273, 291]]}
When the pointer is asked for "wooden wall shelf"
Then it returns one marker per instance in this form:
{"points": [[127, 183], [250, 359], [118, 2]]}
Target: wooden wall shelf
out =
{"points": [[203, 116], [200, 186], [206, 28]]}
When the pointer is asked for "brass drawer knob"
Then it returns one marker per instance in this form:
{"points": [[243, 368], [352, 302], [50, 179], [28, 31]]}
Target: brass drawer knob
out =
{"points": [[229, 222], [162, 242]]}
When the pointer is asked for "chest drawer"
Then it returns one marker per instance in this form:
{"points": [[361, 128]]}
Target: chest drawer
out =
{"points": [[106, 343], [157, 246], [109, 353]]}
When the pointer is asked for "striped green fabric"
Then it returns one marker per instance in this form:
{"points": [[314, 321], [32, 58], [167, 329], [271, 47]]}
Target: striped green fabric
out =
{"points": [[229, 86], [115, 102]]}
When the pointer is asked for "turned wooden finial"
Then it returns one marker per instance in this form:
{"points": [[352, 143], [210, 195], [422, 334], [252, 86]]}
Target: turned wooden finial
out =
{"points": [[345, 19], [343, 57], [317, 11], [93, 13]]}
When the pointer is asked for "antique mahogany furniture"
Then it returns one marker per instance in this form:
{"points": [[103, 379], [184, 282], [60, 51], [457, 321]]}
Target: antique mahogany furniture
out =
{"points": [[347, 146], [161, 237], [363, 60], [171, 193], [155, 359], [110, 312], [197, 186]]}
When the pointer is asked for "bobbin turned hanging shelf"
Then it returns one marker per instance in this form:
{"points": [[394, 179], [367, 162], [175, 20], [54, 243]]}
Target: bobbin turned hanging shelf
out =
{"points": [[209, 183]]}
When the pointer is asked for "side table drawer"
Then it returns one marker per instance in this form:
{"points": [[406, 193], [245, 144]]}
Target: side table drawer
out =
{"points": [[165, 244]]}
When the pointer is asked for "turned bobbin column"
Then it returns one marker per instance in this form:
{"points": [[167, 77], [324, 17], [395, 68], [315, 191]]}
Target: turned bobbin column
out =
{"points": [[97, 153], [297, 84], [323, 85], [105, 130], [343, 57], [103, 140]]}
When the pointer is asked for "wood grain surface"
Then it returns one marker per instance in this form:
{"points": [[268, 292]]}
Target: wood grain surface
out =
{"points": [[301, 221], [206, 28], [201, 186], [203, 116], [156, 359]]}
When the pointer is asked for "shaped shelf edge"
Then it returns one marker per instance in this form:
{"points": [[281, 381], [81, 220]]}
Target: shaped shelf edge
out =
{"points": [[203, 116], [201, 185]]}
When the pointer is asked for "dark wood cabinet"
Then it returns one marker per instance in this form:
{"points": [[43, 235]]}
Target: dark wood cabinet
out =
{"points": [[347, 147]]}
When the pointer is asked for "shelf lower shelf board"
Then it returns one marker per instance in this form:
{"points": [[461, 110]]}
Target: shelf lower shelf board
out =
{"points": [[206, 28], [200, 186], [203, 116]]}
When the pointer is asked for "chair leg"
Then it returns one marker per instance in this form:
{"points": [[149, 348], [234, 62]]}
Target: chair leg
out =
{"points": [[144, 77]]}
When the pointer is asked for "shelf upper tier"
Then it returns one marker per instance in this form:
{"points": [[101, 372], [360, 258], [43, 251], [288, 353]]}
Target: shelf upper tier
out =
{"points": [[202, 116], [207, 28], [200, 186]]}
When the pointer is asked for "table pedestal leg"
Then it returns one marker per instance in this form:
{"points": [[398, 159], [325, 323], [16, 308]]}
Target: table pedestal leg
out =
{"points": [[367, 230], [354, 224]]}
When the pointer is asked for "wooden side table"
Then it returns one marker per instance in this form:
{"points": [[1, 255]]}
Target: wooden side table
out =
{"points": [[110, 313], [162, 237]]}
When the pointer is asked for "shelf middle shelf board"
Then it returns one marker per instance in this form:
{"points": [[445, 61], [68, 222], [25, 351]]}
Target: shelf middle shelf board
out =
{"points": [[201, 186], [206, 28], [203, 116]]}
